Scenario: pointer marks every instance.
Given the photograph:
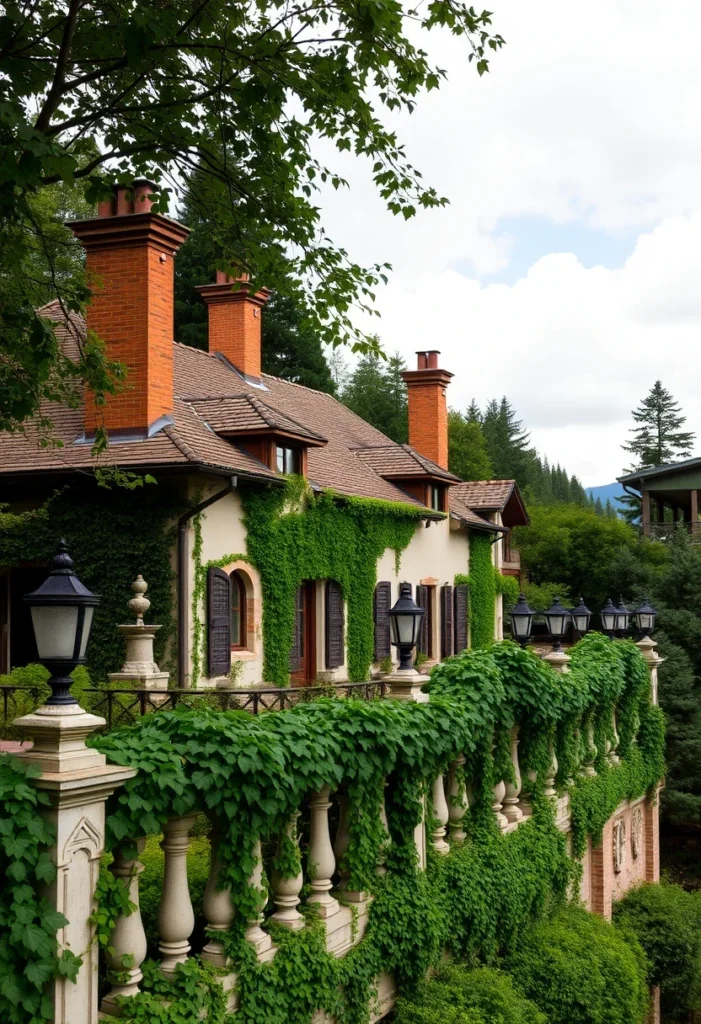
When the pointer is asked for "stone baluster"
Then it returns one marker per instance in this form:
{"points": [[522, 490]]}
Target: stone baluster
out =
{"points": [[647, 647], [591, 752], [260, 940], [512, 811], [439, 814], [176, 918], [498, 793], [613, 743], [381, 869], [321, 862], [217, 905], [286, 890], [457, 801], [551, 772], [128, 938]]}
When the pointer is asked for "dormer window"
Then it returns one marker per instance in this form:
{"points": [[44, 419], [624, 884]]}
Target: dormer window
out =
{"points": [[287, 459], [437, 496]]}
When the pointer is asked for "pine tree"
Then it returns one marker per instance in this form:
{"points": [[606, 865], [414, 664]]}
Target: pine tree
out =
{"points": [[609, 510], [377, 392], [658, 438], [598, 507], [508, 444], [473, 414], [467, 449]]}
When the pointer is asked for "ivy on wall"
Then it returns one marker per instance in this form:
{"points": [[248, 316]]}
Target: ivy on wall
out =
{"points": [[112, 536], [293, 536], [508, 587], [251, 773], [483, 590]]}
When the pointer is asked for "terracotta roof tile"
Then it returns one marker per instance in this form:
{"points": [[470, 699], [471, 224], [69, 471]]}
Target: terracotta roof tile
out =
{"points": [[242, 414], [459, 509], [401, 462], [490, 495]]}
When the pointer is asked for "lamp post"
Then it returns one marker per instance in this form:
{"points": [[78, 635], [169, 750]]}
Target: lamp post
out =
{"points": [[62, 614], [405, 618], [521, 621], [644, 617], [581, 617], [608, 618], [622, 617], [557, 618]]}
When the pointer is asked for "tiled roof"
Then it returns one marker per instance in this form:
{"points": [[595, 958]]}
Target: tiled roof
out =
{"points": [[461, 511], [400, 462], [246, 414], [489, 495]]}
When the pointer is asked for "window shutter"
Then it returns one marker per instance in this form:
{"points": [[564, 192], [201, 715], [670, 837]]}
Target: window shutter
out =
{"points": [[446, 621], [296, 649], [383, 603], [334, 625], [219, 635], [460, 617], [422, 602]]}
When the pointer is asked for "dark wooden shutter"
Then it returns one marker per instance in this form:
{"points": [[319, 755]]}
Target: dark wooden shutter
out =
{"points": [[460, 617], [296, 649], [383, 603], [219, 612], [446, 621], [334, 625], [422, 602]]}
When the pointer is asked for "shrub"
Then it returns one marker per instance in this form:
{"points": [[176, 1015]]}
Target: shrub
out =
{"points": [[579, 969], [460, 995], [666, 920]]}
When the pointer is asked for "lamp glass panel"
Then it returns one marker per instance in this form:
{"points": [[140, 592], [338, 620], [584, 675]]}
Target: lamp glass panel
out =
{"points": [[622, 620], [581, 623], [521, 624], [557, 624], [609, 621], [87, 623], [645, 620], [55, 628], [403, 628]]}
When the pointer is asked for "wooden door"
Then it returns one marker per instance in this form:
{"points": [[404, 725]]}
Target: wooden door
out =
{"points": [[303, 653]]}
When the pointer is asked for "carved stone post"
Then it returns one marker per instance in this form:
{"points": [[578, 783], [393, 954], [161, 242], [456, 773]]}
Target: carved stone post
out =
{"points": [[321, 861], [405, 684], [457, 801], [128, 937], [260, 940], [551, 771], [78, 781], [613, 744], [176, 918], [140, 668], [647, 648], [286, 890], [512, 811], [440, 814], [218, 907], [591, 753]]}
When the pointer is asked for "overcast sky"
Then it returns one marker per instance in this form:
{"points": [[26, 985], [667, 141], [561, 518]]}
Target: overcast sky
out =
{"points": [[566, 272]]}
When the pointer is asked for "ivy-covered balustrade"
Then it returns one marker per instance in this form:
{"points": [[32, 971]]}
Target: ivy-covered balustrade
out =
{"points": [[352, 843]]}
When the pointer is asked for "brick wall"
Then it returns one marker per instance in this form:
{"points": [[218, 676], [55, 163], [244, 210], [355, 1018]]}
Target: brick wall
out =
{"points": [[235, 331], [428, 407]]}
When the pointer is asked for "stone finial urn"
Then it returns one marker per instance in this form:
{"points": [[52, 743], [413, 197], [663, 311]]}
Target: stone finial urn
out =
{"points": [[140, 669]]}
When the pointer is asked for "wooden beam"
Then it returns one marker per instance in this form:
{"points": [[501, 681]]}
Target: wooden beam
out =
{"points": [[646, 513], [694, 512]]}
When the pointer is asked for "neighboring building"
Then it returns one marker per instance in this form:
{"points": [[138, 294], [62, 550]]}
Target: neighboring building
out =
{"points": [[206, 423], [669, 497]]}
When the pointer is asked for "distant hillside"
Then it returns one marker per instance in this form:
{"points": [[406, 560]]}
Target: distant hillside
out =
{"points": [[611, 491]]}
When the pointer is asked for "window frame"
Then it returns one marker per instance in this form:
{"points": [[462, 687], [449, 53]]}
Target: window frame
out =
{"points": [[288, 452], [238, 585], [436, 494]]}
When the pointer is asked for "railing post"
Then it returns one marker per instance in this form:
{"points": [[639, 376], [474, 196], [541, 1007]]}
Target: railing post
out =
{"points": [[512, 811], [128, 938], [260, 940], [176, 918], [321, 861], [457, 801], [286, 890], [440, 814], [78, 781], [217, 905]]}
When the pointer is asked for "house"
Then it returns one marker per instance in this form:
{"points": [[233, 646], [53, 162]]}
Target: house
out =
{"points": [[669, 496], [226, 440]]}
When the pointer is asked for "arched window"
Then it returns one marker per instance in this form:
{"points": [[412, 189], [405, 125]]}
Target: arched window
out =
{"points": [[238, 611]]}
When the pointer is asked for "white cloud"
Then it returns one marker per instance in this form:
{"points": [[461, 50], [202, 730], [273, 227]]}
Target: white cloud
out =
{"points": [[590, 115]]}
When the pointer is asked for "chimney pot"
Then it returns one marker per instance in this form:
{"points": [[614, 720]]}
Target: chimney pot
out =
{"points": [[421, 360], [433, 359]]}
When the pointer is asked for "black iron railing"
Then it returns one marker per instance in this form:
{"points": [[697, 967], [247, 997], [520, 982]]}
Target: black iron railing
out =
{"points": [[126, 707]]}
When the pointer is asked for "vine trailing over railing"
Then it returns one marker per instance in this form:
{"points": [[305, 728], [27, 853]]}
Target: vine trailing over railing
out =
{"points": [[250, 775]]}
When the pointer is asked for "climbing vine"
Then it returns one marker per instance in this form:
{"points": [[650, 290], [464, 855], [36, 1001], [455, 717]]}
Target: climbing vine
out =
{"points": [[251, 775], [482, 583]]}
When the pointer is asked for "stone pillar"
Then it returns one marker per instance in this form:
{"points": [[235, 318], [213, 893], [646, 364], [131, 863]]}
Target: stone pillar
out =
{"points": [[321, 863], [217, 905], [647, 647], [78, 781], [286, 890], [440, 814], [176, 918], [139, 669], [128, 938], [260, 940], [405, 684], [457, 802], [512, 811]]}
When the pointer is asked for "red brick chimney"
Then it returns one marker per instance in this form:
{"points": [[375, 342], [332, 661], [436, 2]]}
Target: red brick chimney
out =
{"points": [[428, 408], [130, 253], [235, 320]]}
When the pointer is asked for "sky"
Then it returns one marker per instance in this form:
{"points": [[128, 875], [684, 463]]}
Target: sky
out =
{"points": [[566, 271]]}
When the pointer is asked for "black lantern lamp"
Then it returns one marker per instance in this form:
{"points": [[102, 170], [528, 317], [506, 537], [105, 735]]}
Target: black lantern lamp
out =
{"points": [[521, 621], [645, 618], [405, 619], [581, 617], [62, 613], [608, 618], [558, 619], [622, 617]]}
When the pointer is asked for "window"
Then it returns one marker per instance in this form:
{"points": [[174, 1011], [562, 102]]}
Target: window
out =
{"points": [[238, 611], [436, 498], [286, 459]]}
